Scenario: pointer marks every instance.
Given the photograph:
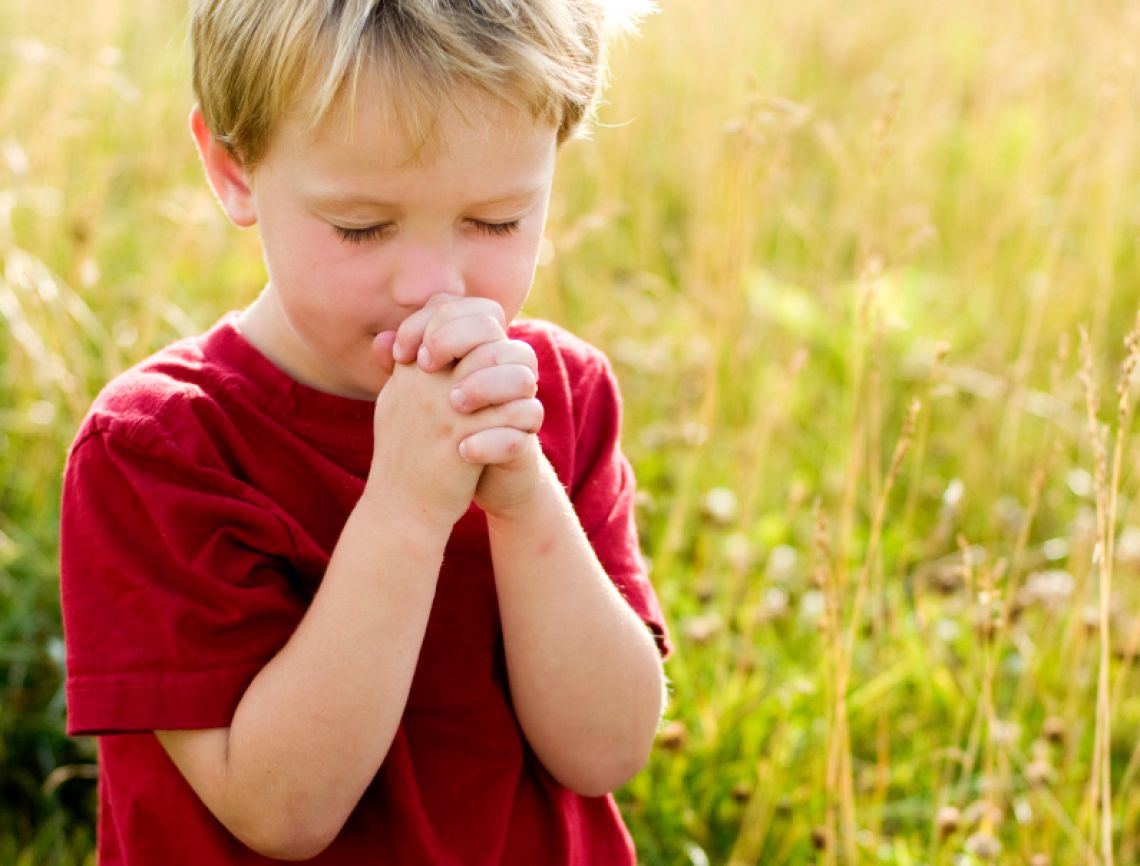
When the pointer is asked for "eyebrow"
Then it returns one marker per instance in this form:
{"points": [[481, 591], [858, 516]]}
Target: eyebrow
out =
{"points": [[336, 198]]}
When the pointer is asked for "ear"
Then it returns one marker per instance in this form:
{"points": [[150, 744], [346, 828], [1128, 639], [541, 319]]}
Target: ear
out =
{"points": [[228, 178]]}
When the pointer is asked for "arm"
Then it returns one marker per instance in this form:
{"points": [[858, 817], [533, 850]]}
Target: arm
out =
{"points": [[316, 722], [586, 678], [585, 673]]}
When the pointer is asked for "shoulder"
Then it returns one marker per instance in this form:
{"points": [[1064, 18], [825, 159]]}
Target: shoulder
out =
{"points": [[162, 404]]}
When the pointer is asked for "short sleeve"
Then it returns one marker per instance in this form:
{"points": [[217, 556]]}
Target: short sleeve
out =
{"points": [[603, 494], [175, 587]]}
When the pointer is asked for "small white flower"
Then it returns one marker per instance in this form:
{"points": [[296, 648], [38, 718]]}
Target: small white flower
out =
{"points": [[782, 563]]}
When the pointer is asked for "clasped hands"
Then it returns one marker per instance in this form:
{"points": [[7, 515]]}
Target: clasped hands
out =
{"points": [[457, 420]]}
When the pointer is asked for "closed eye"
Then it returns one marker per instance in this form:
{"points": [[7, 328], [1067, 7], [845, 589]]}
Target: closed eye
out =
{"points": [[370, 233], [360, 236], [496, 229]]}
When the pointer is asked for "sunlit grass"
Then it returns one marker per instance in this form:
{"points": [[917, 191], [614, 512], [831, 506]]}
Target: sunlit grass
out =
{"points": [[796, 220]]}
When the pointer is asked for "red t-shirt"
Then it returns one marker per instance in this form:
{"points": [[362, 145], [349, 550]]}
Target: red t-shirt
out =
{"points": [[202, 499]]}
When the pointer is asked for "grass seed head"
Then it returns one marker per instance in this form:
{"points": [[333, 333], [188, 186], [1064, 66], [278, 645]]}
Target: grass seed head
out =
{"points": [[1040, 773], [982, 812], [1127, 368]]}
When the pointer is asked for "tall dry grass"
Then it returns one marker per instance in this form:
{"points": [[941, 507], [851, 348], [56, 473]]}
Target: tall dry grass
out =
{"points": [[903, 635]]}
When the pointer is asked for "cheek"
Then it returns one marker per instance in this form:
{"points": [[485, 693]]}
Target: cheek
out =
{"points": [[311, 267], [505, 273]]}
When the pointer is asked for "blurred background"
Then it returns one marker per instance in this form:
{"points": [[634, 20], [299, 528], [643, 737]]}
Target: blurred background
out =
{"points": [[867, 273]]}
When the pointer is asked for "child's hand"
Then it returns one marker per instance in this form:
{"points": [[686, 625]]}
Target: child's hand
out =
{"points": [[491, 375], [415, 459]]}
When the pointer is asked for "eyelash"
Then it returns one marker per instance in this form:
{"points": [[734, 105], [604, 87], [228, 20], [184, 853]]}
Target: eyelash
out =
{"points": [[496, 229], [360, 236]]}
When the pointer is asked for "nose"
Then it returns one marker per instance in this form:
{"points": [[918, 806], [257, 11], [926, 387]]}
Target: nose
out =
{"points": [[424, 270]]}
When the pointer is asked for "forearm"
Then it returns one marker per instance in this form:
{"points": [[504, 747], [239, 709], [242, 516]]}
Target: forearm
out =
{"points": [[316, 722], [585, 675]]}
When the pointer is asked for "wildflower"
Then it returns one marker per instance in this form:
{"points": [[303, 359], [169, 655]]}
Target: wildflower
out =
{"points": [[700, 629], [947, 821], [720, 506], [1054, 729], [775, 604], [782, 563], [1039, 773], [1051, 589], [739, 551], [1055, 549], [705, 590], [984, 846]]}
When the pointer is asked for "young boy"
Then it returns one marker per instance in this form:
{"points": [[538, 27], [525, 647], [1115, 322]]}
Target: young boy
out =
{"points": [[329, 591]]}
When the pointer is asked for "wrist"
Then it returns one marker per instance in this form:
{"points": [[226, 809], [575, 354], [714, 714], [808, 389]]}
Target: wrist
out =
{"points": [[404, 516], [543, 494]]}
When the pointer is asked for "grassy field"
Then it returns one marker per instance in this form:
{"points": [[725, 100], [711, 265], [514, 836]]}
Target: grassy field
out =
{"points": [[867, 273]]}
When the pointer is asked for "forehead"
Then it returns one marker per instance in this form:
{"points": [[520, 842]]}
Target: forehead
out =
{"points": [[375, 130]]}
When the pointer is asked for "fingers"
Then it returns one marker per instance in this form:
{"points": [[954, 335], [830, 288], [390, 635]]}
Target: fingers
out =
{"points": [[447, 329], [524, 414], [496, 445], [507, 428], [493, 386], [496, 354], [411, 332], [457, 329], [495, 379], [494, 374]]}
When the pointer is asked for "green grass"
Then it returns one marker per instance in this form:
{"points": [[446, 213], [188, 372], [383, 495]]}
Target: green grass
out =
{"points": [[795, 219]]}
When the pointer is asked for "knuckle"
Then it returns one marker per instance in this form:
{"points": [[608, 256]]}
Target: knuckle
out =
{"points": [[434, 340], [493, 324], [495, 310], [447, 308], [526, 414]]}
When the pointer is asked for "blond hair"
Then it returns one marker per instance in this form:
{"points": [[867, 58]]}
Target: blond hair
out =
{"points": [[256, 60]]}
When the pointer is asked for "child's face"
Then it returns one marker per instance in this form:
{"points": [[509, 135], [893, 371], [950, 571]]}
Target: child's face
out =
{"points": [[359, 230]]}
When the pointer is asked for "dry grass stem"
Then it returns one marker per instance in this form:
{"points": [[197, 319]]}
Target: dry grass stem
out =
{"points": [[1100, 803]]}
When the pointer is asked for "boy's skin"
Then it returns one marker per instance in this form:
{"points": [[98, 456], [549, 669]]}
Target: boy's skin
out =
{"points": [[416, 312]]}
